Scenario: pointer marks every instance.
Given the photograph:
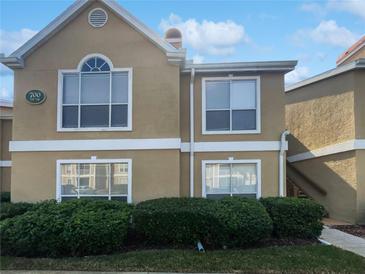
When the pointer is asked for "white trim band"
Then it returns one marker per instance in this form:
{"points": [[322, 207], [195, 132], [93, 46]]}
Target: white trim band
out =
{"points": [[328, 150], [141, 144], [5, 163], [234, 146], [101, 144]]}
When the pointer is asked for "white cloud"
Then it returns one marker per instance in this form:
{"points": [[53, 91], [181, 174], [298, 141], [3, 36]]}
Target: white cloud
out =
{"points": [[327, 32], [12, 40], [300, 73], [356, 7], [208, 37], [198, 59], [314, 8]]}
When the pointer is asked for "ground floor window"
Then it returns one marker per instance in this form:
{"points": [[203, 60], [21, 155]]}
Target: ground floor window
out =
{"points": [[102, 179], [223, 178]]}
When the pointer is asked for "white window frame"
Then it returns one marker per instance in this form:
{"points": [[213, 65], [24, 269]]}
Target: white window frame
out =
{"points": [[258, 106], [92, 161], [232, 161], [61, 72]]}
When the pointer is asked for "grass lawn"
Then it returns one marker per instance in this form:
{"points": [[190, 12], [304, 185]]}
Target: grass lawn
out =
{"points": [[283, 259]]}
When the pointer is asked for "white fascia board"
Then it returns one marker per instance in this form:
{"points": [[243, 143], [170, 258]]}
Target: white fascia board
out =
{"points": [[328, 150], [94, 145], [284, 66], [358, 64], [233, 146]]}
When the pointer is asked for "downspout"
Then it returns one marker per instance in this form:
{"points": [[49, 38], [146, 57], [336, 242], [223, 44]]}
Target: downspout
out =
{"points": [[282, 162], [192, 77]]}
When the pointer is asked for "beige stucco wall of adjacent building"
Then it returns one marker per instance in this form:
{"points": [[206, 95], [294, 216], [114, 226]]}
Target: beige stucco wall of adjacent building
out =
{"points": [[321, 114], [325, 113], [336, 174], [154, 173]]}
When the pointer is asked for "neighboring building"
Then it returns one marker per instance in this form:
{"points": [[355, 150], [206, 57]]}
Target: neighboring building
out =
{"points": [[127, 117], [6, 117], [326, 117]]}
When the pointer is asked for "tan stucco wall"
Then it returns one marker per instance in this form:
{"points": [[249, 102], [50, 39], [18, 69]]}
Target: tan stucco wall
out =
{"points": [[154, 173], [5, 137], [5, 177], [360, 172], [272, 108], [336, 174], [360, 103], [269, 170], [321, 114], [155, 82], [356, 56]]}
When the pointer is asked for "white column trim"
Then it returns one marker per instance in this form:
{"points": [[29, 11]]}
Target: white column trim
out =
{"points": [[329, 150]]}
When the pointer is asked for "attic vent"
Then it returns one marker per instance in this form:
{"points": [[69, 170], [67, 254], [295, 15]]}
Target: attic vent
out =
{"points": [[98, 17]]}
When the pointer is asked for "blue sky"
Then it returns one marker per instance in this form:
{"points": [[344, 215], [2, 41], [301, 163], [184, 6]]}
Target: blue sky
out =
{"points": [[314, 33]]}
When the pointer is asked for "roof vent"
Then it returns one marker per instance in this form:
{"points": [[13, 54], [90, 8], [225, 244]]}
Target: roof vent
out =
{"points": [[174, 37], [98, 17]]}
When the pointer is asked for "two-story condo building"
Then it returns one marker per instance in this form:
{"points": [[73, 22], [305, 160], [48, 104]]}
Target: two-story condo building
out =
{"points": [[104, 107]]}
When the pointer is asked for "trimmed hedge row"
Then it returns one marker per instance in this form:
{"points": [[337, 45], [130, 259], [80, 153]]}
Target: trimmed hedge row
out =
{"points": [[178, 221], [295, 218], [73, 228], [10, 210], [90, 227], [184, 221]]}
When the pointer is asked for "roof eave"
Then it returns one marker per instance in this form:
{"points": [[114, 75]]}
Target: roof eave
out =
{"points": [[277, 66], [357, 64], [12, 62]]}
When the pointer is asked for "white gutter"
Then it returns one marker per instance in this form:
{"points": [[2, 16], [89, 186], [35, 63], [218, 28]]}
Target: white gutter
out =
{"points": [[283, 147], [192, 77]]}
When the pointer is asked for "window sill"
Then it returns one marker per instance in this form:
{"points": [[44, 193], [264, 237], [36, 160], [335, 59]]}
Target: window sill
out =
{"points": [[204, 132], [93, 129]]}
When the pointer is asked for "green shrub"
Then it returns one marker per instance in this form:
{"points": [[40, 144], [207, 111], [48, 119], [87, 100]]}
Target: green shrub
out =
{"points": [[10, 210], [5, 197], [184, 221], [246, 221], [178, 221], [72, 228], [294, 217]]}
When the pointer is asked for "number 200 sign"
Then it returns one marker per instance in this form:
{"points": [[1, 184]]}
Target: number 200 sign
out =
{"points": [[35, 97]]}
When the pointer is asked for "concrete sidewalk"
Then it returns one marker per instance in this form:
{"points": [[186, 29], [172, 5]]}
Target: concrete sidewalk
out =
{"points": [[344, 240]]}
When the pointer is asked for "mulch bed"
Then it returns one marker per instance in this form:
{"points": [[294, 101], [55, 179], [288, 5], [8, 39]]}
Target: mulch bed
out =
{"points": [[356, 230]]}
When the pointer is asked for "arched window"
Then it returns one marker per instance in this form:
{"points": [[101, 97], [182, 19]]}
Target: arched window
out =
{"points": [[95, 64], [96, 96]]}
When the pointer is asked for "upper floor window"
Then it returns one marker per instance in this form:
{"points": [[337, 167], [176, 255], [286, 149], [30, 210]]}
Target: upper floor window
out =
{"points": [[231, 105], [94, 97]]}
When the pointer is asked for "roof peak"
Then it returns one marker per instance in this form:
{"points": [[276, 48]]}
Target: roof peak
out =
{"points": [[16, 59]]}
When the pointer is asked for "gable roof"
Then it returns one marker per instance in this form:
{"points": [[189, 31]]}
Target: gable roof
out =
{"points": [[351, 51], [16, 59]]}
